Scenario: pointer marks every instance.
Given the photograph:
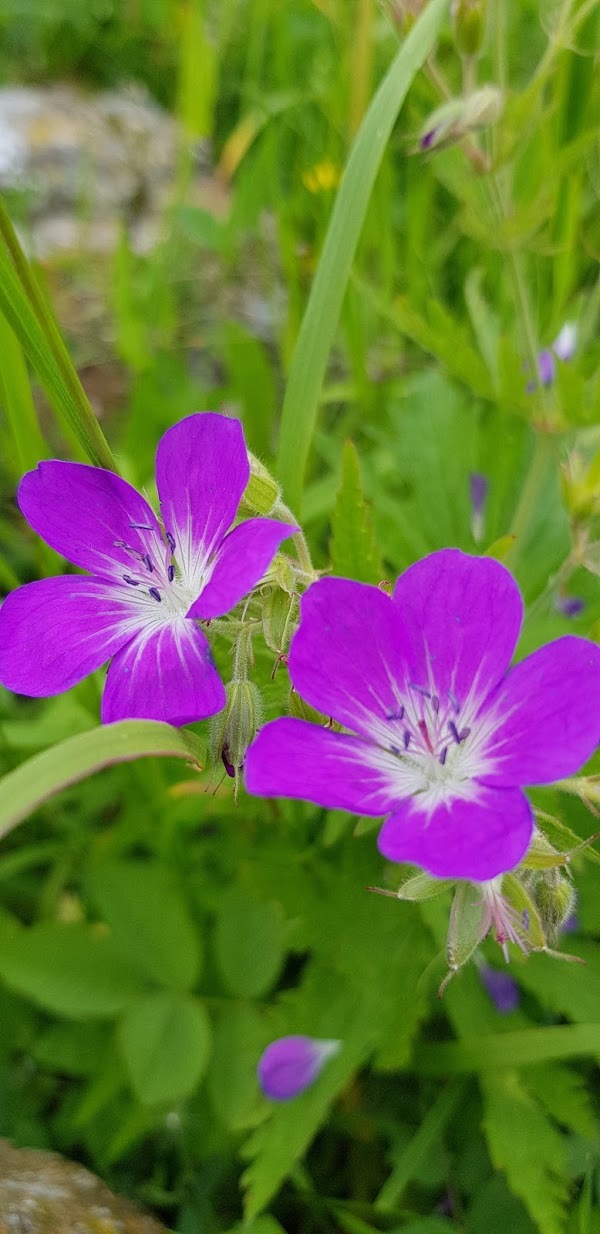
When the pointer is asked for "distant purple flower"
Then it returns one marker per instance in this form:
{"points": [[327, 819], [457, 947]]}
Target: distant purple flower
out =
{"points": [[569, 606], [478, 490], [290, 1064], [148, 583], [446, 732], [563, 347], [501, 987]]}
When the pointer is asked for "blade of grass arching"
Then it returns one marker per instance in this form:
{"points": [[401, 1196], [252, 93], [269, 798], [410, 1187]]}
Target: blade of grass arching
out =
{"points": [[75, 758], [28, 312], [18, 404], [322, 313], [419, 1147]]}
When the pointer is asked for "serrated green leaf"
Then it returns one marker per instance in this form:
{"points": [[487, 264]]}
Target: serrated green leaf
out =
{"points": [[523, 1142], [148, 919], [563, 1093], [353, 548], [165, 1040]]}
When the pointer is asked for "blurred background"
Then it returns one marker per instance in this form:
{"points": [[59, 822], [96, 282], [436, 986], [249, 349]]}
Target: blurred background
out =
{"points": [[171, 168]]}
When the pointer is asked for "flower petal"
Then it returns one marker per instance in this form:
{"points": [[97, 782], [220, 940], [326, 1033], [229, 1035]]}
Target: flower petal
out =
{"points": [[165, 673], [551, 702], [87, 515], [468, 611], [56, 631], [202, 470], [292, 758], [239, 564], [349, 656], [475, 839], [291, 1064]]}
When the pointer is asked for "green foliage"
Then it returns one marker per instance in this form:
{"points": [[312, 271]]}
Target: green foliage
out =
{"points": [[353, 548], [165, 1040], [249, 943]]}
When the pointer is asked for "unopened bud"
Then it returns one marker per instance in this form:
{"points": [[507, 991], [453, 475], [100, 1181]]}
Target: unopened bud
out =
{"points": [[262, 490], [278, 619], [555, 898], [455, 119], [468, 22], [232, 731]]}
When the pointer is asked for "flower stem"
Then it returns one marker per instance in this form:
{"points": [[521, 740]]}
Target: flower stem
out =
{"points": [[86, 425]]}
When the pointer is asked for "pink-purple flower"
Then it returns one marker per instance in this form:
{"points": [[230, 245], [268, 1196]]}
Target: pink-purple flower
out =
{"points": [[149, 581], [291, 1064], [441, 734]]}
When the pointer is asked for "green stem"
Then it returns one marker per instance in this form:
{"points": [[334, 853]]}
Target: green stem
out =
{"points": [[91, 434], [530, 493]]}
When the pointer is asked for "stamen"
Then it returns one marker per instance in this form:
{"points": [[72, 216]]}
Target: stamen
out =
{"points": [[464, 733], [443, 756], [454, 731], [419, 689], [454, 701], [148, 561], [406, 738], [120, 544], [422, 727], [155, 593], [435, 703], [396, 715], [133, 582], [171, 573], [394, 749], [141, 527], [170, 541]]}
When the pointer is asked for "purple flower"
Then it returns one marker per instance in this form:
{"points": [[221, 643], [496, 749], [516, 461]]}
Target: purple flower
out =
{"points": [[290, 1064], [563, 347], [569, 606], [149, 581], [501, 987], [443, 733]]}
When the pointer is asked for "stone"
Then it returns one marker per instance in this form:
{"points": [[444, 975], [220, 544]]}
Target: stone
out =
{"points": [[42, 1193]]}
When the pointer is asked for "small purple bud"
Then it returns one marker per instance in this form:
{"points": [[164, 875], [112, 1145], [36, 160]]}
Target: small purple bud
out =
{"points": [[546, 367], [478, 489], [290, 1064], [427, 139], [569, 606], [565, 343], [503, 991], [571, 925]]}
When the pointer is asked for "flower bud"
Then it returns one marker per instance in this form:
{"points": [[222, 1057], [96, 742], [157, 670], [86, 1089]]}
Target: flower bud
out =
{"points": [[236, 726], [468, 22], [291, 1064], [262, 490], [502, 989], [458, 117], [555, 897], [278, 619]]}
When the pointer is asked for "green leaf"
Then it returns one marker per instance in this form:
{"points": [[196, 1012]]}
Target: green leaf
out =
{"points": [[419, 1147], [165, 1040], [322, 314], [249, 943], [72, 970], [25, 788], [521, 1048], [239, 1039], [353, 547], [18, 403], [149, 920], [524, 1143], [563, 1093]]}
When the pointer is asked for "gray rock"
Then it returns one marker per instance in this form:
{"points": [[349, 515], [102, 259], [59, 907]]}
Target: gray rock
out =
{"points": [[41, 1193]]}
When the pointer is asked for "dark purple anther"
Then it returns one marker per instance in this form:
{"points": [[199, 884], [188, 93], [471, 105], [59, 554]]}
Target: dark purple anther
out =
{"points": [[435, 703], [464, 733], [141, 527], [147, 560], [454, 731], [419, 689], [155, 593], [427, 139], [396, 715], [171, 573], [478, 489], [171, 541], [443, 756], [133, 582], [394, 749], [454, 701], [120, 543], [406, 738]]}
